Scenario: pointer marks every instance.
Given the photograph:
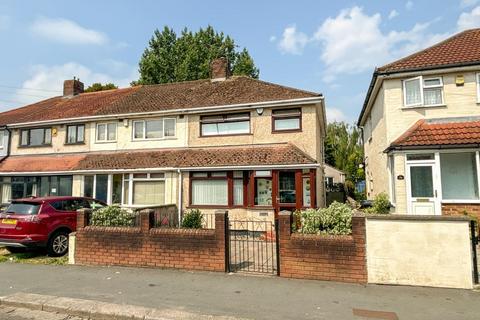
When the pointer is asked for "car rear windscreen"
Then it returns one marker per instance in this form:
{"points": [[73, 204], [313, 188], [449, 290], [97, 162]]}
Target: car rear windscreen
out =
{"points": [[23, 208]]}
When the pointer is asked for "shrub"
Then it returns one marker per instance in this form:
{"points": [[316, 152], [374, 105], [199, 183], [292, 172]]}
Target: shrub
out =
{"points": [[192, 219], [112, 216], [381, 204], [336, 220]]}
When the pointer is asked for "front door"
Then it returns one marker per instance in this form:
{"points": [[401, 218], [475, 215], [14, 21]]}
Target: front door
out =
{"points": [[423, 197], [287, 193]]}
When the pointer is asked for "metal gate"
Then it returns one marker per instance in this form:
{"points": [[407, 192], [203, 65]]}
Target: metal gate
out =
{"points": [[252, 246]]}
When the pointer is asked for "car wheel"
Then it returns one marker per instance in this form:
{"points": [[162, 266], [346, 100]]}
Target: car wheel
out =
{"points": [[58, 244], [15, 249]]}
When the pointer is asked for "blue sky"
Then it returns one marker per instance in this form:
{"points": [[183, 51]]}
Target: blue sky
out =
{"points": [[329, 47]]}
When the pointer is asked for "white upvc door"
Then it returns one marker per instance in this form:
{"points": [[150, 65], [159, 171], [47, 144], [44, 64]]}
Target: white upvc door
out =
{"points": [[423, 188]]}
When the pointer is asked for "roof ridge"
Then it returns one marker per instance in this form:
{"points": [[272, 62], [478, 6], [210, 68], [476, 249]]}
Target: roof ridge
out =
{"points": [[454, 36], [106, 91]]}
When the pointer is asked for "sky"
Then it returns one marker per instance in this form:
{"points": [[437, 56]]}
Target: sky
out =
{"points": [[330, 47]]}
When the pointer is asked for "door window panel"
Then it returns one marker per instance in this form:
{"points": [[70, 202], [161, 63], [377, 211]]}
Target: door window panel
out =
{"points": [[101, 186], [287, 187], [421, 181]]}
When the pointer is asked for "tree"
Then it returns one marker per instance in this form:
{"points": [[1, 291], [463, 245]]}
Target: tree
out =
{"points": [[344, 151], [172, 58], [97, 86]]}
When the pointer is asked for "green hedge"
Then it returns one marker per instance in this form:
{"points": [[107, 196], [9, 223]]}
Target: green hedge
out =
{"points": [[112, 216], [334, 220]]}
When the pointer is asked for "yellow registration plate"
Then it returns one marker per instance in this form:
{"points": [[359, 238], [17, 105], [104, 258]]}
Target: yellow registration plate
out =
{"points": [[9, 221]]}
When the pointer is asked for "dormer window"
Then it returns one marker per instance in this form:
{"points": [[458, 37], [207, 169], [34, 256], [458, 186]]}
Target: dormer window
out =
{"points": [[420, 91]]}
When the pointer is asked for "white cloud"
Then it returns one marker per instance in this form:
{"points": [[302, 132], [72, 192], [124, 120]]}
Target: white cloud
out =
{"points": [[353, 42], [468, 3], [66, 31], [394, 13], [50, 78], [4, 22], [409, 5], [468, 20], [292, 41], [335, 115]]}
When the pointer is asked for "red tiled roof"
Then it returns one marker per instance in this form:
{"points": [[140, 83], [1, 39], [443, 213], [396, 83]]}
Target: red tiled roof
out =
{"points": [[251, 155], [462, 48], [161, 97], [440, 132]]}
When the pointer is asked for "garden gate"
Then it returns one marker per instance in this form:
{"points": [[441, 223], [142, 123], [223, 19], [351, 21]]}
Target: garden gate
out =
{"points": [[252, 246]]}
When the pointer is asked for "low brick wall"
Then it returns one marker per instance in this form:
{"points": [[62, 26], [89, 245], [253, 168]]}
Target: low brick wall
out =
{"points": [[190, 249], [323, 257], [459, 209]]}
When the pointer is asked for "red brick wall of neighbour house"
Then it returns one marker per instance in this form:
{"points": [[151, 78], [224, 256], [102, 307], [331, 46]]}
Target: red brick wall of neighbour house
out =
{"points": [[144, 246], [323, 257], [459, 209]]}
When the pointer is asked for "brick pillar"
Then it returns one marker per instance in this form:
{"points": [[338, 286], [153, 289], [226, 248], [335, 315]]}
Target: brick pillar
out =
{"points": [[83, 216], [146, 217], [221, 234], [358, 228], [284, 224]]}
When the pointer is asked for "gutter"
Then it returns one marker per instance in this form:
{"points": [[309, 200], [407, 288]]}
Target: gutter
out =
{"points": [[432, 147], [231, 107]]}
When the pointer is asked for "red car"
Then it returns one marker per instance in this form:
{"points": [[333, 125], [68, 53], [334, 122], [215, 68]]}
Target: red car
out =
{"points": [[42, 222]]}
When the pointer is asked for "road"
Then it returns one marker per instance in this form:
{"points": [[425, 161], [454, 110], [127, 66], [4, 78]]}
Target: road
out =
{"points": [[239, 295]]}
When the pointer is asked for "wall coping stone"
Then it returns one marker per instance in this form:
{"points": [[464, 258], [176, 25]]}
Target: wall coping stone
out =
{"points": [[409, 217]]}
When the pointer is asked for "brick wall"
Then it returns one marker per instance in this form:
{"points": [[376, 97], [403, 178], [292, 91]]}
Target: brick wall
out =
{"points": [[191, 249], [322, 257], [459, 209]]}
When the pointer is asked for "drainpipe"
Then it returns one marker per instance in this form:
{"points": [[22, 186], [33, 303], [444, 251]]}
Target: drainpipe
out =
{"points": [[180, 189], [8, 144]]}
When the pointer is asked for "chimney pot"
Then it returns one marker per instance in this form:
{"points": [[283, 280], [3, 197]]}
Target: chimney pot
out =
{"points": [[72, 87], [219, 69]]}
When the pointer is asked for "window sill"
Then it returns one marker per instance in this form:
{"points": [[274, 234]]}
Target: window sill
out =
{"points": [[156, 139], [40, 146], [109, 141], [74, 143], [424, 106], [227, 135], [286, 131], [461, 201]]}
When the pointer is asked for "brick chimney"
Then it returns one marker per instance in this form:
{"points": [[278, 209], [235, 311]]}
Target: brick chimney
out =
{"points": [[219, 69], [72, 87]]}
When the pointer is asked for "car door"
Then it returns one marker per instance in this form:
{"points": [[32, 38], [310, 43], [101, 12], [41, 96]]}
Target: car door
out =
{"points": [[65, 213]]}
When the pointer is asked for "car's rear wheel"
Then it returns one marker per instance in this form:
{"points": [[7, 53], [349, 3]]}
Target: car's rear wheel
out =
{"points": [[16, 249], [58, 244]]}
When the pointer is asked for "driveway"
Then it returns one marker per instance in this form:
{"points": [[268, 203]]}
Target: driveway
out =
{"points": [[237, 295]]}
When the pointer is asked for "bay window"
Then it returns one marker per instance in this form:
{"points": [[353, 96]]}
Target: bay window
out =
{"points": [[154, 129], [263, 188], [226, 124], [420, 91]]}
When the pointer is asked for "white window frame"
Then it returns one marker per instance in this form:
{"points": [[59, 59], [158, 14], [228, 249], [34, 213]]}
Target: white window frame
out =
{"points": [[2, 138], [477, 77], [131, 179], [145, 129], [106, 132], [422, 95]]}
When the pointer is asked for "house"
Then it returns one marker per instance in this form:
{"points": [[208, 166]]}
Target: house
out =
{"points": [[333, 175], [421, 129], [227, 142]]}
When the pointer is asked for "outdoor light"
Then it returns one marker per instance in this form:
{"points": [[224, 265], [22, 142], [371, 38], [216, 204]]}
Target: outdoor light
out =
{"points": [[125, 123], [259, 111]]}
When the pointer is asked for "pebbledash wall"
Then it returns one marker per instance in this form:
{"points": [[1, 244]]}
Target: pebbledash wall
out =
{"points": [[145, 246]]}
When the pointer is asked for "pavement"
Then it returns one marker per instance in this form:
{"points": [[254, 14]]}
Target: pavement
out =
{"points": [[218, 295], [15, 313]]}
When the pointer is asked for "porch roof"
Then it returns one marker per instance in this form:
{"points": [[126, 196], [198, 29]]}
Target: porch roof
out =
{"points": [[285, 154], [440, 133]]}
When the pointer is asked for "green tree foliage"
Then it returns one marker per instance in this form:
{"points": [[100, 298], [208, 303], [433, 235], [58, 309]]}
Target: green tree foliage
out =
{"points": [[172, 58], [344, 151], [192, 219], [97, 86], [336, 219]]}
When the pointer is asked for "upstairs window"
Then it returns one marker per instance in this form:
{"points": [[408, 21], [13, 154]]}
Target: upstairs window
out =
{"points": [[226, 124], [422, 91], [2, 138], [287, 120], [478, 87], [154, 129], [36, 137], [75, 134], [106, 132]]}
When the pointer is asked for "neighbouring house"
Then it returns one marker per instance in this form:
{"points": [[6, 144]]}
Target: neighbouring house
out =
{"points": [[421, 129], [227, 142], [333, 175]]}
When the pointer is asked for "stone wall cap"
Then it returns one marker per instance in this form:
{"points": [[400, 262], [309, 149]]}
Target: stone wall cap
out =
{"points": [[410, 217]]}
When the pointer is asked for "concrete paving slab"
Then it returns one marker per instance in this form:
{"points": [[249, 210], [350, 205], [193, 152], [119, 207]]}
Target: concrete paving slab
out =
{"points": [[25, 300], [76, 307]]}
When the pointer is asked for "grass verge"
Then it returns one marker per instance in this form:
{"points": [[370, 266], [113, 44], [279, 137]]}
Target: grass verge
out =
{"points": [[32, 257]]}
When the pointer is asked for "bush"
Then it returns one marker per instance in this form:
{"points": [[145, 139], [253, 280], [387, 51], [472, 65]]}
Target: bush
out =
{"points": [[112, 216], [381, 204], [336, 220], [192, 219]]}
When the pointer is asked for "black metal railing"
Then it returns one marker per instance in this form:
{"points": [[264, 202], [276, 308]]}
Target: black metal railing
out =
{"points": [[253, 246]]}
